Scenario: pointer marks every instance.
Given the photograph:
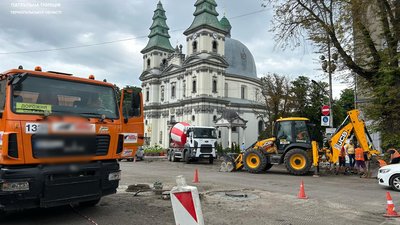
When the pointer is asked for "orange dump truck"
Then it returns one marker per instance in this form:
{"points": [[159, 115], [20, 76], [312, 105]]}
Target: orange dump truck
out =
{"points": [[60, 138]]}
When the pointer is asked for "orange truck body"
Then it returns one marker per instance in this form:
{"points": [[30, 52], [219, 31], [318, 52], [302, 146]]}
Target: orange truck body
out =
{"points": [[49, 159]]}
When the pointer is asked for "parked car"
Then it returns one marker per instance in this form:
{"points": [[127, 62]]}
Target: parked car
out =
{"points": [[389, 176]]}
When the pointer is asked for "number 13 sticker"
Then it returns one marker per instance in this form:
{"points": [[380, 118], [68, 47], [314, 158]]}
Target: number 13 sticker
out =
{"points": [[33, 128]]}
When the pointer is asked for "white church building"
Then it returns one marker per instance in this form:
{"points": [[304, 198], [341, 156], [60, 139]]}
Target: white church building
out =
{"points": [[215, 74]]}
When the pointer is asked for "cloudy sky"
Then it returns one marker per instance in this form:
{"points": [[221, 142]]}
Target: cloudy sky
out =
{"points": [[50, 33]]}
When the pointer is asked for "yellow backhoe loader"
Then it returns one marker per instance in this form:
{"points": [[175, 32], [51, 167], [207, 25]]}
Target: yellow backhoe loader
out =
{"points": [[293, 146]]}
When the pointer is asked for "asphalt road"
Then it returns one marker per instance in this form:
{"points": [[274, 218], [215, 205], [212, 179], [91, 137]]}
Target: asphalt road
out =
{"points": [[333, 199]]}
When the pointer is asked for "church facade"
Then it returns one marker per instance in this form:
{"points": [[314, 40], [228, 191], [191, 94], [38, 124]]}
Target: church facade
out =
{"points": [[215, 73]]}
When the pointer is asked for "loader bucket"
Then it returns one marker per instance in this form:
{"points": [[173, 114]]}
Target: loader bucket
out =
{"points": [[228, 164]]}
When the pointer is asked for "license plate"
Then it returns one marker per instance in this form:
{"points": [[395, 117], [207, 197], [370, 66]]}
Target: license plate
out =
{"points": [[206, 156]]}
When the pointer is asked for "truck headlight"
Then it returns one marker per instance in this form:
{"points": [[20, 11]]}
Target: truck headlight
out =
{"points": [[114, 176], [15, 186], [384, 170]]}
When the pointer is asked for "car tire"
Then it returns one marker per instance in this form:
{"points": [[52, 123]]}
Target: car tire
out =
{"points": [[211, 160], [395, 182]]}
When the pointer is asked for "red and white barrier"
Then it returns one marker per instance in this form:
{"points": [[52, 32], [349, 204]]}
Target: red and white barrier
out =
{"points": [[186, 204]]}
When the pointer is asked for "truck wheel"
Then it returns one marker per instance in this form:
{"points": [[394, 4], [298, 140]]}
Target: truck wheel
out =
{"points": [[90, 203], [254, 161], [297, 162], [211, 160], [174, 159], [169, 155], [186, 157], [395, 182], [269, 166]]}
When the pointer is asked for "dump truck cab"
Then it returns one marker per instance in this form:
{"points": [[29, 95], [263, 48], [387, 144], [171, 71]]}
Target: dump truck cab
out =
{"points": [[60, 137]]}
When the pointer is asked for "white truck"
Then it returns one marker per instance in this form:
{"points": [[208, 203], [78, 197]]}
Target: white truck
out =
{"points": [[192, 143]]}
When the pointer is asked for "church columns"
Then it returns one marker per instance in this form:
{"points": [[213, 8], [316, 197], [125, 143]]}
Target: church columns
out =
{"points": [[229, 137], [244, 135]]}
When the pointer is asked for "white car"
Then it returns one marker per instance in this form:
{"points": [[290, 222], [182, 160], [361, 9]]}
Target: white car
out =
{"points": [[389, 176]]}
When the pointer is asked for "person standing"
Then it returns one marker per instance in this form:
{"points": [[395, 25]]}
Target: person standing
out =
{"points": [[394, 156], [360, 161], [351, 153], [342, 161]]}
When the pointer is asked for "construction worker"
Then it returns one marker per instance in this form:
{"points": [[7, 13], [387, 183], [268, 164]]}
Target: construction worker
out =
{"points": [[350, 152], [360, 161], [342, 161], [394, 156]]}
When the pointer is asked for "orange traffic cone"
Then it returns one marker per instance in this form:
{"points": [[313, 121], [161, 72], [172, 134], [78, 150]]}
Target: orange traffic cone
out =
{"points": [[390, 209], [196, 176], [302, 193]]}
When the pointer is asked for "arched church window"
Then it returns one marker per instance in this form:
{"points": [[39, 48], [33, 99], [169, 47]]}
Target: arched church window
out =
{"points": [[148, 63], [184, 88], [194, 46], [194, 88], [164, 62], [173, 91], [214, 86], [226, 90], [214, 46]]}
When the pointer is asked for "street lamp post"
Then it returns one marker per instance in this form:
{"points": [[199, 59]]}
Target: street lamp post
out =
{"points": [[329, 66]]}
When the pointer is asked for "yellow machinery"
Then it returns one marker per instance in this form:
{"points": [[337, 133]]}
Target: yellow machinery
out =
{"points": [[293, 146]]}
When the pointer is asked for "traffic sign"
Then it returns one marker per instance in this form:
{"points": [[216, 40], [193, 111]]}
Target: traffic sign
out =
{"points": [[325, 110], [325, 121]]}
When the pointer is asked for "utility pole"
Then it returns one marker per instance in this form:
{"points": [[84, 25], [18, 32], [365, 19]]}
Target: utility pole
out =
{"points": [[329, 66]]}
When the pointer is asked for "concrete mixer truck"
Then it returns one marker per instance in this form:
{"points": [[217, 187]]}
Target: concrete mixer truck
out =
{"points": [[192, 143]]}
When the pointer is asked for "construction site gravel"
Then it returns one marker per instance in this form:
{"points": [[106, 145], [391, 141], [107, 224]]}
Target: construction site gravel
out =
{"points": [[229, 198]]}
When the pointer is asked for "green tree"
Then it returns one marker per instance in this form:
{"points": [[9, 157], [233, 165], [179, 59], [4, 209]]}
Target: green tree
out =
{"points": [[344, 104], [299, 92], [368, 29], [275, 94]]}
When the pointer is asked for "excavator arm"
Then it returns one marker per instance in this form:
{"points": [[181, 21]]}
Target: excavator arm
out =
{"points": [[353, 124]]}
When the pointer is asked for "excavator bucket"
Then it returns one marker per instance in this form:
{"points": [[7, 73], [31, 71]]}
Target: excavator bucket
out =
{"points": [[229, 163]]}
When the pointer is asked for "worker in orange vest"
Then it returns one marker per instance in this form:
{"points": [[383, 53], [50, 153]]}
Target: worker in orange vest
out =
{"points": [[394, 156], [360, 161]]}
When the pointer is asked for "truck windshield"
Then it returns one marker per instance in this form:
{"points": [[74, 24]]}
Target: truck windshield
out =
{"points": [[205, 133], [38, 95]]}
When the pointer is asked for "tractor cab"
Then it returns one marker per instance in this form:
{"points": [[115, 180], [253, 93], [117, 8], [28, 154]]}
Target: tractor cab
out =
{"points": [[291, 132]]}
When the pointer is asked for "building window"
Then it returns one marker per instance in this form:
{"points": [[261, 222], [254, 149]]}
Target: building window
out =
{"points": [[194, 46], [214, 46], [234, 129], [145, 122], [243, 92], [184, 88], [260, 127], [148, 63], [164, 62], [214, 86], [161, 137], [194, 86], [193, 118], [215, 118], [173, 91], [162, 93], [172, 119], [147, 95], [226, 90]]}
